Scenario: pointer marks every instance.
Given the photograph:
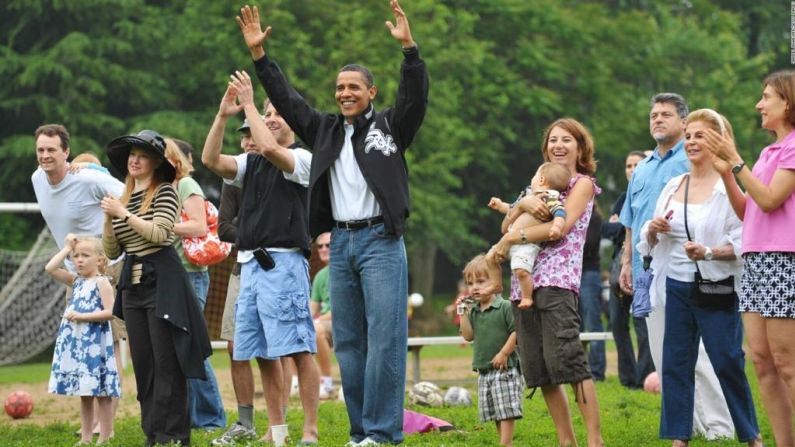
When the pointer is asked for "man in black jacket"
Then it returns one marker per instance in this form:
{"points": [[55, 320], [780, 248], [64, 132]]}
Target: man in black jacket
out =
{"points": [[358, 190]]}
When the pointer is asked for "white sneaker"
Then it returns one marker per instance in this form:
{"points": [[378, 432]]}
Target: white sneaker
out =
{"points": [[368, 441], [294, 389], [327, 393], [237, 432]]}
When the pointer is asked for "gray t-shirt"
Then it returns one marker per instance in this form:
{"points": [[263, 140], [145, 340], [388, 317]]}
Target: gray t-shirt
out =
{"points": [[73, 205]]}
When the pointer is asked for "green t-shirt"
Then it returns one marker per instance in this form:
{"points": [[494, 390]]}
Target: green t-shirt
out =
{"points": [[185, 188], [491, 328], [320, 292]]}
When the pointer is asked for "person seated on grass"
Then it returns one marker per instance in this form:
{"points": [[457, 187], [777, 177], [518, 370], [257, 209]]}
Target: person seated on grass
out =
{"points": [[489, 322], [550, 180]]}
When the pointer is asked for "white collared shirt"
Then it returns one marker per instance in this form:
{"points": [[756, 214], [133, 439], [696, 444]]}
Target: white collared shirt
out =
{"points": [[351, 197]]}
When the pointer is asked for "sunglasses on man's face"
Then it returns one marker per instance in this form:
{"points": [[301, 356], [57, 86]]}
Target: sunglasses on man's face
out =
{"points": [[323, 245]]}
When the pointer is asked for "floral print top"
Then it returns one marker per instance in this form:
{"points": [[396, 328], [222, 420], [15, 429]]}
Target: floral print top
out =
{"points": [[559, 264]]}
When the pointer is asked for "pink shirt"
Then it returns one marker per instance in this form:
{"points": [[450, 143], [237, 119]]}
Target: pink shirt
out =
{"points": [[559, 264], [773, 231]]}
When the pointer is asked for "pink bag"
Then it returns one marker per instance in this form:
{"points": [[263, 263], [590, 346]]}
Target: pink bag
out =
{"points": [[414, 422], [207, 249]]}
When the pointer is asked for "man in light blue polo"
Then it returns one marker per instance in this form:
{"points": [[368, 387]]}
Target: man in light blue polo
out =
{"points": [[667, 126]]}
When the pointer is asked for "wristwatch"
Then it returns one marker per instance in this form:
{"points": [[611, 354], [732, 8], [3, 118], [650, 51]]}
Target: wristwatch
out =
{"points": [[707, 254], [126, 217], [738, 167]]}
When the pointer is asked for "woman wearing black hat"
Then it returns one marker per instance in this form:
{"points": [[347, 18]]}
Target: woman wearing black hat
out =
{"points": [[168, 338]]}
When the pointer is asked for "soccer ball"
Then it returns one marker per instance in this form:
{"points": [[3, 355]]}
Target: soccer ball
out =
{"points": [[457, 397], [426, 394], [19, 404], [416, 300]]}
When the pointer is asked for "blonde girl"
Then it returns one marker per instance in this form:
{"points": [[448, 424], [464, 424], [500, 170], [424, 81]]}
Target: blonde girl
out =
{"points": [[83, 363]]}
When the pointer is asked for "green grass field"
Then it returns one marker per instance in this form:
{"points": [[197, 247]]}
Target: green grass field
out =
{"points": [[629, 418]]}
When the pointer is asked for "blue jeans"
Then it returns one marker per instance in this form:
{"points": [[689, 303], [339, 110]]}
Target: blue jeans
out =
{"points": [[721, 333], [590, 307], [368, 285], [204, 399]]}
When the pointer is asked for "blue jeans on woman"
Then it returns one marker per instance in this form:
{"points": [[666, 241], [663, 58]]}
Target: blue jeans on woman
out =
{"points": [[721, 332], [204, 399], [368, 283], [590, 308]]}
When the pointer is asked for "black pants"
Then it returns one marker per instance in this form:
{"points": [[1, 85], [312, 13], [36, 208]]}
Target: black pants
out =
{"points": [[631, 373], [161, 385]]}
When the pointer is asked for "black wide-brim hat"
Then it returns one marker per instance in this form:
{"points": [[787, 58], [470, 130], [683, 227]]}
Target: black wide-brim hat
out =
{"points": [[118, 152]]}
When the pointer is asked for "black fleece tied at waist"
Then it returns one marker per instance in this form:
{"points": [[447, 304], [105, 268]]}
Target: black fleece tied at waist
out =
{"points": [[176, 303]]}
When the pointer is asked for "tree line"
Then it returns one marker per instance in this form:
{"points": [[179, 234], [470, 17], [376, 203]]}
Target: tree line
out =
{"points": [[501, 70]]}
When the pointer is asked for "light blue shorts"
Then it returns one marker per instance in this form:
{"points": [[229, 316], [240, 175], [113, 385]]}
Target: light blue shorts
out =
{"points": [[272, 316]]}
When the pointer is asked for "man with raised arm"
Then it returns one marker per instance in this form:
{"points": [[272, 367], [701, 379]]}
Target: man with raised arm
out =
{"points": [[358, 190], [272, 318]]}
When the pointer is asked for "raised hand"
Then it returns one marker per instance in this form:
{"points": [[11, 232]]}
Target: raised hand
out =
{"points": [[497, 204], [229, 106], [400, 29], [722, 146], [249, 24], [71, 240], [722, 166], [241, 83], [112, 206]]}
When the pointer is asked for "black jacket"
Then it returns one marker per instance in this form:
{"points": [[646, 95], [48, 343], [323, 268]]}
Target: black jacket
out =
{"points": [[615, 231], [176, 303], [380, 140]]}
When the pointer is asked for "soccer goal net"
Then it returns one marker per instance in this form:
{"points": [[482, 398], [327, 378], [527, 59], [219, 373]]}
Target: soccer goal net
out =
{"points": [[31, 302]]}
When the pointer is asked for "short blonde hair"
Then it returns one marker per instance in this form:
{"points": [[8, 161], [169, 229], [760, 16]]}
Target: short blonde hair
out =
{"points": [[87, 157], [477, 267], [177, 158], [712, 119], [556, 175]]}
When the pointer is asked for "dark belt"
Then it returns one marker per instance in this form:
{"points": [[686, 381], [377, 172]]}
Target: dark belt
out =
{"points": [[359, 224]]}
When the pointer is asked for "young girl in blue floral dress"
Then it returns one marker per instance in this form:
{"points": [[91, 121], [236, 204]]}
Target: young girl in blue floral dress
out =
{"points": [[83, 363]]}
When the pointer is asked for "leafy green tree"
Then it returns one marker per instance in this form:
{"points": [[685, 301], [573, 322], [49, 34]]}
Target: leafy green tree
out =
{"points": [[501, 71]]}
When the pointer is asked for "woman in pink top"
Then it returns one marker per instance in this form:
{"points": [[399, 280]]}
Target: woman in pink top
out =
{"points": [[550, 351], [767, 292]]}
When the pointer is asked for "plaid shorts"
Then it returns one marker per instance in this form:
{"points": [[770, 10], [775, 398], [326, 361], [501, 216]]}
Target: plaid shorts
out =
{"points": [[500, 395]]}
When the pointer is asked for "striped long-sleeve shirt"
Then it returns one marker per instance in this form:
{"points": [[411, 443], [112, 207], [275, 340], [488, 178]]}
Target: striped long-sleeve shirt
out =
{"points": [[159, 232]]}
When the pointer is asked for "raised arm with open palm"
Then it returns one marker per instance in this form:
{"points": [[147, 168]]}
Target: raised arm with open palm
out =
{"points": [[400, 29], [249, 24]]}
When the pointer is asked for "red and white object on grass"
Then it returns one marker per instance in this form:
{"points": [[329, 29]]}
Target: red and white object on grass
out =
{"points": [[19, 404]]}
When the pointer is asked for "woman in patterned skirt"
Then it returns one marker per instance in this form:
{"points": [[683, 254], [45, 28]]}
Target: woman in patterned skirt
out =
{"points": [[767, 292]]}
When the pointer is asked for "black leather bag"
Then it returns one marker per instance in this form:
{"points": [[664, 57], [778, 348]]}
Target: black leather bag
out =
{"points": [[718, 295], [708, 294]]}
